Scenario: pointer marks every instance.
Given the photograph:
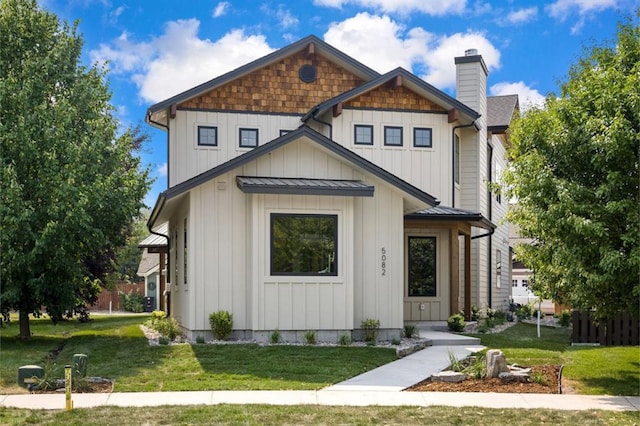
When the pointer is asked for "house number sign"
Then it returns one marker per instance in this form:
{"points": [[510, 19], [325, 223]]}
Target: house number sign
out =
{"points": [[383, 262]]}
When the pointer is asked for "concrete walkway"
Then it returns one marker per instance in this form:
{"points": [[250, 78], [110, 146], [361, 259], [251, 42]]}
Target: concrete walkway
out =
{"points": [[380, 386]]}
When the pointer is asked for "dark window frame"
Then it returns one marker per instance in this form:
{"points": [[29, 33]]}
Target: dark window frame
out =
{"points": [[415, 137], [435, 265], [272, 249], [355, 134], [386, 136], [240, 138], [214, 128]]}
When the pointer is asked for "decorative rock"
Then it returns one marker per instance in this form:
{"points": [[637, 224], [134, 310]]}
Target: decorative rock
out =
{"points": [[496, 363], [514, 377], [448, 376]]}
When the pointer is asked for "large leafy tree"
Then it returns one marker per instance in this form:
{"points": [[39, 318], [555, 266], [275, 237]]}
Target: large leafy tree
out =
{"points": [[574, 173], [71, 180]]}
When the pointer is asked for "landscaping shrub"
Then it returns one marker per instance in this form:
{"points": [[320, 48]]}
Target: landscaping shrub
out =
{"points": [[132, 302], [456, 322], [310, 337], [275, 337], [345, 340], [564, 319], [168, 327], [370, 329], [200, 339], [221, 324], [524, 312], [475, 313], [410, 330]]}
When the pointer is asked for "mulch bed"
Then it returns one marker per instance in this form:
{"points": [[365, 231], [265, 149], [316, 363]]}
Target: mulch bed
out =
{"points": [[549, 372]]}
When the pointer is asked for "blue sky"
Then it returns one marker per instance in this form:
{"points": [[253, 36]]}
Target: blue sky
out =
{"points": [[155, 49]]}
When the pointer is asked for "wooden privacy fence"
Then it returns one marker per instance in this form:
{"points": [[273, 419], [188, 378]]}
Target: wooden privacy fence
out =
{"points": [[623, 330], [113, 296]]}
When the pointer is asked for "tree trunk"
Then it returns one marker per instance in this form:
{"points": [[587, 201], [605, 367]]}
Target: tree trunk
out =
{"points": [[25, 329]]}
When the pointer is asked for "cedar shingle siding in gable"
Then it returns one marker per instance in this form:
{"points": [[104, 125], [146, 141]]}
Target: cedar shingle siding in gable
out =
{"points": [[399, 98], [277, 88]]}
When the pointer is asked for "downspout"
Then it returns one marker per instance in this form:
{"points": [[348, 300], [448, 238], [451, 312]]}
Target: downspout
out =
{"points": [[453, 160], [312, 115]]}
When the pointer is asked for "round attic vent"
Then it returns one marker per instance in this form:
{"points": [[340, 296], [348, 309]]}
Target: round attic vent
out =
{"points": [[307, 73]]}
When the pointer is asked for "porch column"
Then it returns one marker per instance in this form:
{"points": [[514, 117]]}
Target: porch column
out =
{"points": [[467, 277], [454, 274]]}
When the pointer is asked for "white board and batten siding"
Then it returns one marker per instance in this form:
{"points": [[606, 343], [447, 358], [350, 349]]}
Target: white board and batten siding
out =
{"points": [[188, 159], [233, 268], [429, 169]]}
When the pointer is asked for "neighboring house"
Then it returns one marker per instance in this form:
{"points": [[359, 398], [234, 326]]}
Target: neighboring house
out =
{"points": [[521, 277], [309, 192], [152, 267]]}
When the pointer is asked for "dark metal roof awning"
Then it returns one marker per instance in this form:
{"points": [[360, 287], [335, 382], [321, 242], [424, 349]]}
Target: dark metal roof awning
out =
{"points": [[155, 241], [302, 186], [443, 213]]}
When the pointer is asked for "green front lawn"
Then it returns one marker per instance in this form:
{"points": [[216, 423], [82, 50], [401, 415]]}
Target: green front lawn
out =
{"points": [[117, 349], [591, 370], [304, 415]]}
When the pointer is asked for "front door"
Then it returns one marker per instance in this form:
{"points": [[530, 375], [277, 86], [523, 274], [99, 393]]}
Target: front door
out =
{"points": [[426, 295]]}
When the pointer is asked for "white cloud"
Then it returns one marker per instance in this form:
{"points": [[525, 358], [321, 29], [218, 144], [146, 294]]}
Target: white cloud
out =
{"points": [[405, 7], [522, 16], [162, 170], [221, 9], [561, 9], [527, 97], [382, 44], [178, 59], [287, 20]]}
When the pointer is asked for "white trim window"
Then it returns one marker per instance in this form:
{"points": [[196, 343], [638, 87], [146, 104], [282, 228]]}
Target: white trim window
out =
{"points": [[207, 136], [392, 136], [362, 134], [248, 138]]}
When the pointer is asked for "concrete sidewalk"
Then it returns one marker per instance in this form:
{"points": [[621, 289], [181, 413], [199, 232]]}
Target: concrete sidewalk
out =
{"points": [[326, 398]]}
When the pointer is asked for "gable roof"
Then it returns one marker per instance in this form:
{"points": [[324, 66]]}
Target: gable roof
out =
{"points": [[319, 47], [303, 131], [500, 112], [409, 81]]}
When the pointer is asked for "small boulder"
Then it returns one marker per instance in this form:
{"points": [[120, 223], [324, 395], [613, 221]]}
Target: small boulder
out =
{"points": [[449, 377]]}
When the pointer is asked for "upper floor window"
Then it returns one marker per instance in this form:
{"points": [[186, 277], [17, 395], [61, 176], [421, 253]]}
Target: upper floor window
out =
{"points": [[207, 136], [422, 138], [392, 136], [363, 135], [248, 138], [304, 244], [514, 283]]}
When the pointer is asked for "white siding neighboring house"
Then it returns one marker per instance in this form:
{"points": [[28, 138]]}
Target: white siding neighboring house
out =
{"points": [[308, 192]]}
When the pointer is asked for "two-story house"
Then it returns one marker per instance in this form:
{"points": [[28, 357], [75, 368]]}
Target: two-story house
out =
{"points": [[309, 192]]}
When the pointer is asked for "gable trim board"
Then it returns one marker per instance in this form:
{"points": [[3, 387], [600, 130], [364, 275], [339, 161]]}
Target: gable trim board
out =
{"points": [[301, 132]]}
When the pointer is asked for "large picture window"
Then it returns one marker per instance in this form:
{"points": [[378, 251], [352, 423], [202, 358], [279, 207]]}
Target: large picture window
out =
{"points": [[304, 244], [422, 266]]}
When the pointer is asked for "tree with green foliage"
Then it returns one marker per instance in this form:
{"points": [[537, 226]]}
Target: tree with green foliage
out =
{"points": [[574, 174], [71, 181]]}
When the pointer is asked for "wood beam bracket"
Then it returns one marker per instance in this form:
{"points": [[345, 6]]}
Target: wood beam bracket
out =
{"points": [[173, 109], [454, 115], [311, 50], [337, 109]]}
